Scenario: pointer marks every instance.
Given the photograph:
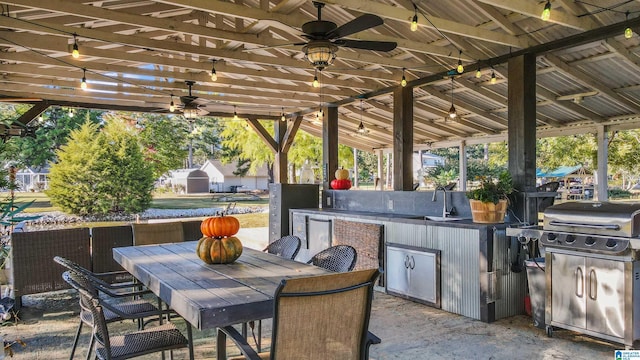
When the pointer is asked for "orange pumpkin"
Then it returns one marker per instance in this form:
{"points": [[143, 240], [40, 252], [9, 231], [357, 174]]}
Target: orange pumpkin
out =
{"points": [[220, 226], [223, 250]]}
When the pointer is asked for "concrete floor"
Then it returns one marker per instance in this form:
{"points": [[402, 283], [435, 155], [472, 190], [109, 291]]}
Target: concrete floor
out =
{"points": [[408, 331]]}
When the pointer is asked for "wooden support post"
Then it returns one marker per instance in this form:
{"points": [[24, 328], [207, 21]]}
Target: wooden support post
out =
{"points": [[602, 186], [462, 179], [403, 138], [522, 133], [379, 177], [329, 145], [281, 162]]}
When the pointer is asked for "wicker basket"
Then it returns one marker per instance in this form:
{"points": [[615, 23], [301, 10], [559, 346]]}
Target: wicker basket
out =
{"points": [[488, 212]]}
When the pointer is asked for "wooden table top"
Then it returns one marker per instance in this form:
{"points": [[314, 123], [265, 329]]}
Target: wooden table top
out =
{"points": [[211, 296]]}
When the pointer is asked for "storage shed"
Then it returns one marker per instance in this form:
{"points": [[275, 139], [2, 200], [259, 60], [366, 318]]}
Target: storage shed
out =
{"points": [[191, 181]]}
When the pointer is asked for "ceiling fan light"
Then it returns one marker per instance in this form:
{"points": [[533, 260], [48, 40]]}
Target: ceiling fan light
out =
{"points": [[546, 13], [320, 53], [414, 23], [190, 111]]}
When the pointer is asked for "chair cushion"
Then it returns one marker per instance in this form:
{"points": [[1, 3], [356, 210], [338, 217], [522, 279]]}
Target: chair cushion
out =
{"points": [[164, 337]]}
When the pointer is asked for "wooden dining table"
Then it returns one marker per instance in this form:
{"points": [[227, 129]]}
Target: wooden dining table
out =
{"points": [[211, 296]]}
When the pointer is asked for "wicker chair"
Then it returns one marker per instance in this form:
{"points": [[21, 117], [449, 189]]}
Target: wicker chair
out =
{"points": [[286, 247], [133, 309], [157, 233], [306, 320], [134, 344], [338, 258]]}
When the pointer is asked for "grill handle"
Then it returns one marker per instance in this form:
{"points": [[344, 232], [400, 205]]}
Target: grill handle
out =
{"points": [[586, 226]]}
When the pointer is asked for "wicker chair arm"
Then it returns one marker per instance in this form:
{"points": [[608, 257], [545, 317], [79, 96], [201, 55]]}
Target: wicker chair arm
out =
{"points": [[119, 294], [240, 342], [137, 315]]}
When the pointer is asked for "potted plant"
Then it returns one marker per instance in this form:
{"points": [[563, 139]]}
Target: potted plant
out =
{"points": [[489, 200]]}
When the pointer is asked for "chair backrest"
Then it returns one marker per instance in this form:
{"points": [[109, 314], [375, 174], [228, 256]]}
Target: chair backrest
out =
{"points": [[286, 247], [338, 258], [86, 273], [103, 240], [545, 202], [157, 233], [89, 301], [323, 317]]}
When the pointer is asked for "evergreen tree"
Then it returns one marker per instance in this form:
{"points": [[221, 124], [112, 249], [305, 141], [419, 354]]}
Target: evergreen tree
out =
{"points": [[101, 171], [74, 178]]}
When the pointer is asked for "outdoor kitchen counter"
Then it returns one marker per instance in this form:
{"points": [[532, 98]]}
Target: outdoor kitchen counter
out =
{"points": [[466, 268]]}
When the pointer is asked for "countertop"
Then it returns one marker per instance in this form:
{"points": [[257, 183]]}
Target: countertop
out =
{"points": [[403, 218]]}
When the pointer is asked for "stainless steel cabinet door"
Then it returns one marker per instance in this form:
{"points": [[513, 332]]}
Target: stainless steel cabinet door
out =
{"points": [[569, 290], [397, 270], [605, 296], [414, 273]]}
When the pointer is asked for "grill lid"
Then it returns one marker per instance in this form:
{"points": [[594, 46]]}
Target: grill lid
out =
{"points": [[602, 218]]}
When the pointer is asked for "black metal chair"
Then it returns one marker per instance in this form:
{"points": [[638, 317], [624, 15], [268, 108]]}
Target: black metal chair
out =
{"points": [[160, 338], [128, 309], [286, 247], [307, 322], [545, 202], [338, 258]]}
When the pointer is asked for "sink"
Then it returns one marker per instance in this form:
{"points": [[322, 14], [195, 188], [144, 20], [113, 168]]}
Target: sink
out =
{"points": [[440, 218]]}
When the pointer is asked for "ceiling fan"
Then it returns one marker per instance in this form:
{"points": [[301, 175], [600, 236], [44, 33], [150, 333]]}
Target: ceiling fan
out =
{"points": [[191, 105], [325, 37]]}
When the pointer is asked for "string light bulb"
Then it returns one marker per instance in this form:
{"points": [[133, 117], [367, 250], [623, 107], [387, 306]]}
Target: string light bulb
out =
{"points": [[478, 73], [361, 130], [214, 75], [452, 111], [71, 112], [414, 21], [628, 32], [460, 68], [403, 82], [172, 106], [235, 113], [494, 79], [546, 13], [283, 118], [83, 83], [75, 52]]}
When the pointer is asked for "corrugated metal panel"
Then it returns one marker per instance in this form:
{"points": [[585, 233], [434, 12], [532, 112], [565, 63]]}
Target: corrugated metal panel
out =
{"points": [[406, 234], [511, 285], [459, 267]]}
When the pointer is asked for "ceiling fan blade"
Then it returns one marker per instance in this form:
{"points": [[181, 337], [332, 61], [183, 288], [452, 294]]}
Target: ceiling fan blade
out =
{"points": [[368, 45], [274, 47], [358, 24]]}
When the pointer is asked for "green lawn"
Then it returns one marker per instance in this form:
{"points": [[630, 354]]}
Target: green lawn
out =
{"points": [[167, 201]]}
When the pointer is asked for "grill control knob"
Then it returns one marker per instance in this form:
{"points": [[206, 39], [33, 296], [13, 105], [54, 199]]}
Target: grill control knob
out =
{"points": [[552, 237], [590, 240], [570, 239], [611, 243]]}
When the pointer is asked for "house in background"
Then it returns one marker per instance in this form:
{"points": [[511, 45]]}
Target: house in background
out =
{"points": [[33, 178], [222, 178], [189, 181]]}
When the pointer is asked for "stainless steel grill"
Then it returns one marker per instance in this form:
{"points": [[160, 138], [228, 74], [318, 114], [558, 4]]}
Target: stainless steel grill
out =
{"points": [[592, 269]]}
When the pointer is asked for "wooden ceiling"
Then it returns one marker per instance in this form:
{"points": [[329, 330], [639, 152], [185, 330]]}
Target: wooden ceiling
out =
{"points": [[138, 53]]}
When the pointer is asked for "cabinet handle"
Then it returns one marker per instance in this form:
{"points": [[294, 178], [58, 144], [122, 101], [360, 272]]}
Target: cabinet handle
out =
{"points": [[593, 285], [579, 282], [412, 263], [406, 261]]}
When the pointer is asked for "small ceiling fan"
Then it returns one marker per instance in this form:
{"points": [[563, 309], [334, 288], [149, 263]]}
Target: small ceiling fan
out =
{"points": [[325, 37], [191, 105]]}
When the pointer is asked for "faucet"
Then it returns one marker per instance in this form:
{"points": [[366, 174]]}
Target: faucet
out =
{"points": [[445, 212]]}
